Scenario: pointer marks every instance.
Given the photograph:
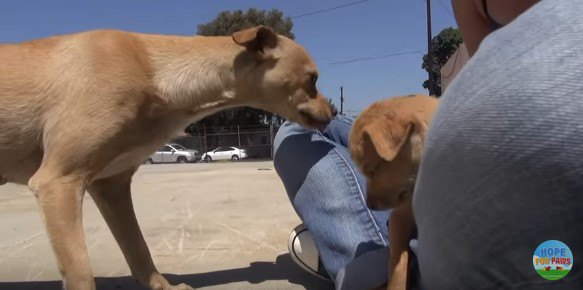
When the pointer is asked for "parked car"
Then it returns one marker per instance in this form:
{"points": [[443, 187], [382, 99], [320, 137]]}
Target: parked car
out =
{"points": [[224, 153], [174, 153]]}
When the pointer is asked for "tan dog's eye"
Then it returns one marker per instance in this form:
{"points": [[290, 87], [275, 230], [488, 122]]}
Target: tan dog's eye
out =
{"points": [[311, 89], [314, 78]]}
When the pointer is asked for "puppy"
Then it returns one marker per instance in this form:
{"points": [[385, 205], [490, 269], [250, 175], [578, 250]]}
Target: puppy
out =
{"points": [[386, 143], [81, 112]]}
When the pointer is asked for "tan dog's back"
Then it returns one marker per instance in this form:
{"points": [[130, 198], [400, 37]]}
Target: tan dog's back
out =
{"points": [[48, 77], [21, 100], [79, 113]]}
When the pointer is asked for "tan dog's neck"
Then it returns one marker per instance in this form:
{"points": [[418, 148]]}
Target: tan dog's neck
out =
{"points": [[194, 73]]}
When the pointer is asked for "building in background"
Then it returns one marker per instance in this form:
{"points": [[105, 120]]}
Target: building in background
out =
{"points": [[453, 65]]}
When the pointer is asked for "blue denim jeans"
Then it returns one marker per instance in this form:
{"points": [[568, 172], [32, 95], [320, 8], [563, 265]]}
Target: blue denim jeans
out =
{"points": [[328, 193]]}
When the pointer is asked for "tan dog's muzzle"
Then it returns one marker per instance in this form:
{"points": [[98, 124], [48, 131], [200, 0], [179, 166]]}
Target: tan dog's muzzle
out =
{"points": [[317, 113]]}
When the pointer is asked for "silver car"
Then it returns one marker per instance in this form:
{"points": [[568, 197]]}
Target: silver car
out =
{"points": [[174, 153]]}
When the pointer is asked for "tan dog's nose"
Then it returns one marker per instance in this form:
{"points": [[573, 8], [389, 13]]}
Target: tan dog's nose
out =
{"points": [[317, 113]]}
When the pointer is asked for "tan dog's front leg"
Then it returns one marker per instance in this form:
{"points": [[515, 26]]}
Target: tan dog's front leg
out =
{"points": [[61, 201], [401, 227], [113, 198]]}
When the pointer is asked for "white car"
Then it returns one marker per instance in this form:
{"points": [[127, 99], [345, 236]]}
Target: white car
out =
{"points": [[224, 153], [173, 153]]}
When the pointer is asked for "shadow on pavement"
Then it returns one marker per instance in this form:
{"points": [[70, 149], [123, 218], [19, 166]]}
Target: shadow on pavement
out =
{"points": [[282, 269]]}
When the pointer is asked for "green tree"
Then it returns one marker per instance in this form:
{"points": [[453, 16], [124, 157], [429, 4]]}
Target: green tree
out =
{"points": [[226, 23], [443, 46]]}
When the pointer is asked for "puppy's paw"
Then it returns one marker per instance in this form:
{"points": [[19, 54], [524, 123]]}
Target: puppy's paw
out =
{"points": [[180, 287], [172, 287], [397, 283], [380, 287]]}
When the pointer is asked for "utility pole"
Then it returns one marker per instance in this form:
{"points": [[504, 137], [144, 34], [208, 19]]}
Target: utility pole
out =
{"points": [[239, 135], [271, 140], [429, 60], [341, 100], [204, 138]]}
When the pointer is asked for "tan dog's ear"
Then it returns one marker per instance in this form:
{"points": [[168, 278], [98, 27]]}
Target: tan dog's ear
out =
{"points": [[387, 138], [256, 39]]}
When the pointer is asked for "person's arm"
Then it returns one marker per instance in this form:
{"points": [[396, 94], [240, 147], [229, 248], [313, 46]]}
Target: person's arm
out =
{"points": [[473, 26]]}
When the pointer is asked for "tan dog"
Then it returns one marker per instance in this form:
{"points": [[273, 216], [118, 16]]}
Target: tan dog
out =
{"points": [[386, 142], [81, 112]]}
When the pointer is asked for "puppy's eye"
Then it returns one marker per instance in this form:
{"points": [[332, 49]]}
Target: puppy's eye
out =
{"points": [[370, 170]]}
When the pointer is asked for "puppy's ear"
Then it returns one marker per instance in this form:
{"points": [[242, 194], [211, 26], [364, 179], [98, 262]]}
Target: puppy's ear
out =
{"points": [[387, 137], [256, 39]]}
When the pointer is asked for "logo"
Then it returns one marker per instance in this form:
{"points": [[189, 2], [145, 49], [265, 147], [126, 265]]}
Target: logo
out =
{"points": [[552, 260]]}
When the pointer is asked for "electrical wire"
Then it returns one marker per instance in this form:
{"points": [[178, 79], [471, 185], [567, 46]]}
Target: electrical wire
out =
{"points": [[328, 9], [375, 57]]}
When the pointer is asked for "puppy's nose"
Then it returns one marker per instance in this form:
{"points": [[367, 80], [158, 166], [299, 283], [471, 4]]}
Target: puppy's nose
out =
{"points": [[334, 111], [370, 205], [402, 195]]}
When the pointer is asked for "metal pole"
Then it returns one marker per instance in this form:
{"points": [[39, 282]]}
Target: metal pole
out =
{"points": [[204, 137], [271, 139], [341, 100], [239, 136], [429, 59]]}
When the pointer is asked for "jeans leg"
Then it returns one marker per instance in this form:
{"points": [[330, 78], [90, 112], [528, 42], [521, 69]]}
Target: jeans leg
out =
{"points": [[327, 192]]}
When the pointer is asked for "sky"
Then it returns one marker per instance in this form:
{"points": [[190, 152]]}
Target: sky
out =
{"points": [[369, 28]]}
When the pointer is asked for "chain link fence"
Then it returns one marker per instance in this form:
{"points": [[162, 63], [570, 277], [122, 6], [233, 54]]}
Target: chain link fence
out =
{"points": [[257, 141]]}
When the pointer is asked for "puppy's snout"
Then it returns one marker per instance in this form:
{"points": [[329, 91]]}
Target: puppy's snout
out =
{"points": [[402, 196], [371, 204]]}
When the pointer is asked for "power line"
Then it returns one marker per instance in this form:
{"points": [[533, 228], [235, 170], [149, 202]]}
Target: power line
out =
{"points": [[375, 57], [329, 9]]}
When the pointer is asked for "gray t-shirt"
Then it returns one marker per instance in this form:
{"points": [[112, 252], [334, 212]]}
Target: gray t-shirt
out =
{"points": [[503, 168]]}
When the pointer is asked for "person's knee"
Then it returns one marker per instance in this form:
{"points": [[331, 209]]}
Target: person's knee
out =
{"points": [[286, 130], [297, 149], [281, 144], [339, 130]]}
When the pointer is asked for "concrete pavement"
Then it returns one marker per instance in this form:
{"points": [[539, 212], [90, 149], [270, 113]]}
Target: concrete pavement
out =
{"points": [[212, 226]]}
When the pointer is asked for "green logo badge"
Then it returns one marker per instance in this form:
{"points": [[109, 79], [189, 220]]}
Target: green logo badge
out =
{"points": [[552, 260]]}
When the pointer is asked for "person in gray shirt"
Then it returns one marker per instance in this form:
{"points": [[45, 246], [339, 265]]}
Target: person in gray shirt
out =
{"points": [[503, 166]]}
